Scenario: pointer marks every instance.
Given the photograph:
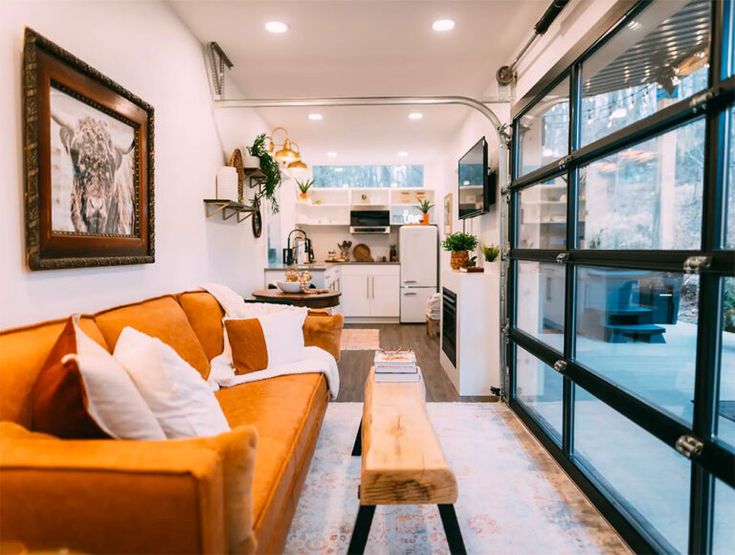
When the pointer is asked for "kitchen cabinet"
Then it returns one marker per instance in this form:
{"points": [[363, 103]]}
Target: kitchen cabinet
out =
{"points": [[370, 290]]}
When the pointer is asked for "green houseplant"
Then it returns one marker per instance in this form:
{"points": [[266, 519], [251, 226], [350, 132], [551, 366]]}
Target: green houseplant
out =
{"points": [[459, 244], [269, 166], [490, 252], [304, 187], [424, 206]]}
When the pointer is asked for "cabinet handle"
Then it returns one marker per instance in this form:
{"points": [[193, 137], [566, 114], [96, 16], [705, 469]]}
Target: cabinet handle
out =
{"points": [[407, 294], [367, 287], [372, 287]]}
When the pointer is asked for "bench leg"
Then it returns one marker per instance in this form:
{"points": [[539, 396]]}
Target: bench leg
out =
{"points": [[362, 530], [357, 447], [451, 529]]}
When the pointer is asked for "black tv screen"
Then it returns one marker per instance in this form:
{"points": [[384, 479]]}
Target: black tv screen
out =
{"points": [[476, 182]]}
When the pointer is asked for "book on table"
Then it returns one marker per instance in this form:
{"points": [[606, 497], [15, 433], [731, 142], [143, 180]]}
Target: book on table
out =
{"points": [[395, 362], [402, 377]]}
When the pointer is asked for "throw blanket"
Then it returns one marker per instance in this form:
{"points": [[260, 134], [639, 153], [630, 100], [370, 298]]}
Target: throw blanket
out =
{"points": [[222, 374]]}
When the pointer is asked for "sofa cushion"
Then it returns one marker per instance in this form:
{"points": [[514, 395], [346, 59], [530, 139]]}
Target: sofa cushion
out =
{"points": [[324, 330], [287, 413], [82, 392], [22, 354], [181, 401], [205, 316], [161, 317]]}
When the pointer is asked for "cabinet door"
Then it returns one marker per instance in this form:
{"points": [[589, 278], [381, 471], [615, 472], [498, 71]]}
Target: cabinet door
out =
{"points": [[384, 295], [355, 295]]}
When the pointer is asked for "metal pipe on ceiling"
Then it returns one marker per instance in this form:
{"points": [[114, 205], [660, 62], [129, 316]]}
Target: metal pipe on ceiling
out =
{"points": [[506, 74], [366, 101]]}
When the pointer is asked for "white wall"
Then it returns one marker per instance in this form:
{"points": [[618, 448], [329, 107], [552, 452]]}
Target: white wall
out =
{"points": [[144, 47], [487, 226]]}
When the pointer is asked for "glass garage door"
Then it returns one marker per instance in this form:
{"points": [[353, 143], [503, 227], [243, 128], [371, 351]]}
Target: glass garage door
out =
{"points": [[621, 282]]}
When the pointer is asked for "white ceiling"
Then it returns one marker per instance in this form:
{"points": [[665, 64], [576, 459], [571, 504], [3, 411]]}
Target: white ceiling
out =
{"points": [[364, 48]]}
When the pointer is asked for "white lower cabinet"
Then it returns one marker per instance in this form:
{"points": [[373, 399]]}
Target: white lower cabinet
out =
{"points": [[370, 291]]}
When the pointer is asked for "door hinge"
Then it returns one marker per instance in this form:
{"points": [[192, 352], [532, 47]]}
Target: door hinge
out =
{"points": [[698, 103], [505, 132], [505, 254], [560, 366], [562, 258], [694, 264], [689, 446], [505, 191]]}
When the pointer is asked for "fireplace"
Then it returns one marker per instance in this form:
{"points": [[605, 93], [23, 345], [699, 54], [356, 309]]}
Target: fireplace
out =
{"points": [[449, 325]]}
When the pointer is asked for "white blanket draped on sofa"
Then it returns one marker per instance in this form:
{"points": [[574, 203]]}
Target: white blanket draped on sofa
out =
{"points": [[222, 374]]}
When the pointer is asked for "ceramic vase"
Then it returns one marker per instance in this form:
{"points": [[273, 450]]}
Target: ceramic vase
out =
{"points": [[459, 259]]}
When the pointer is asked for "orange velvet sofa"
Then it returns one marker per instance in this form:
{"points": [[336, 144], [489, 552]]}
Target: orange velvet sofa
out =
{"points": [[131, 496]]}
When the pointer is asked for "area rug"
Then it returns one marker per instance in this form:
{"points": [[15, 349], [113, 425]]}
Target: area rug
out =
{"points": [[513, 498], [360, 340]]}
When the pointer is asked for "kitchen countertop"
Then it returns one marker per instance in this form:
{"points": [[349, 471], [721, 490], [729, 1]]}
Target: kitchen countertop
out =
{"points": [[322, 266]]}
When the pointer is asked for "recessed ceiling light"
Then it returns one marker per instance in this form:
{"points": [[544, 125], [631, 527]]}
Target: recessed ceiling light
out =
{"points": [[415, 115], [338, 169], [315, 117], [403, 154], [332, 154], [276, 27], [443, 25]]}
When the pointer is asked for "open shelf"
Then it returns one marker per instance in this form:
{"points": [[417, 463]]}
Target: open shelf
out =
{"points": [[228, 209]]}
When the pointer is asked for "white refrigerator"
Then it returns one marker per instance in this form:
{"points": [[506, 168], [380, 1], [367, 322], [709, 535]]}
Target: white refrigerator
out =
{"points": [[419, 254]]}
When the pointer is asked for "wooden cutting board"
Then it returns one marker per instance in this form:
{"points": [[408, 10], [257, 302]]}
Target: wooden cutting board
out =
{"points": [[361, 253]]}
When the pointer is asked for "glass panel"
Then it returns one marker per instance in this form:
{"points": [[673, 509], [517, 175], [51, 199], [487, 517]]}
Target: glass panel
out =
{"points": [[648, 196], [726, 409], [730, 233], [660, 57], [541, 302], [543, 215], [723, 536], [539, 389], [644, 474], [638, 329], [368, 176], [544, 130]]}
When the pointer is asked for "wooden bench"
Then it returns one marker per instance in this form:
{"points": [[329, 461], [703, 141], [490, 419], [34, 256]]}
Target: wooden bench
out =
{"points": [[402, 461]]}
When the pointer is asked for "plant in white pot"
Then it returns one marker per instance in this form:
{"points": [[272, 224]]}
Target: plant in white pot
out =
{"points": [[490, 253], [459, 244]]}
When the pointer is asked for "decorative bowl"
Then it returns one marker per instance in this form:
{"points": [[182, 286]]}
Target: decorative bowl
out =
{"points": [[289, 286]]}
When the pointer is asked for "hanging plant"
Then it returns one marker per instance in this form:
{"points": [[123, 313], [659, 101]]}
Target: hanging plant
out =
{"points": [[269, 166]]}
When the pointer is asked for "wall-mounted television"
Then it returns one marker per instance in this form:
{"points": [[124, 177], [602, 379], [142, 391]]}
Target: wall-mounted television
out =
{"points": [[477, 182]]}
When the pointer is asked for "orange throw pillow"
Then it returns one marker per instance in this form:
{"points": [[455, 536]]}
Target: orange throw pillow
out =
{"points": [[82, 392], [59, 396], [247, 341]]}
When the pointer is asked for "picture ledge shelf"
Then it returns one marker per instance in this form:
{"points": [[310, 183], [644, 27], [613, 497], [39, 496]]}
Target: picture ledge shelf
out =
{"points": [[228, 209]]}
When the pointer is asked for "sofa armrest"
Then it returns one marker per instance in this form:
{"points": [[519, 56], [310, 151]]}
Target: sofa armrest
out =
{"points": [[322, 329], [112, 496]]}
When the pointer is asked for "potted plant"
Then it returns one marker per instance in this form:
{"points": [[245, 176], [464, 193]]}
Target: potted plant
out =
{"points": [[490, 253], [304, 187], [269, 166], [424, 206], [459, 244]]}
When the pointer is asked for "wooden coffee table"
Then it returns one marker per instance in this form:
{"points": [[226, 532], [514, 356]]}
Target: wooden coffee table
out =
{"points": [[402, 461]]}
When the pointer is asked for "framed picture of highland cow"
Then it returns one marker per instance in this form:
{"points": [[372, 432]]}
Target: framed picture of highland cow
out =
{"points": [[88, 164]]}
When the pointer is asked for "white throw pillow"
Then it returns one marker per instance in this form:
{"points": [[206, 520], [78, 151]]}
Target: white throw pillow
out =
{"points": [[113, 401], [181, 400], [283, 332]]}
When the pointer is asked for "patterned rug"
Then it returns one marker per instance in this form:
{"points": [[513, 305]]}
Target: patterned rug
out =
{"points": [[513, 498], [360, 340]]}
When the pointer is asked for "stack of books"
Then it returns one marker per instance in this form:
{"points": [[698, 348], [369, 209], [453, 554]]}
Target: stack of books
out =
{"points": [[396, 366]]}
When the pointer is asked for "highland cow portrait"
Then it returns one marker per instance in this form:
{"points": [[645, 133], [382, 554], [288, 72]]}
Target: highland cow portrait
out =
{"points": [[92, 180], [88, 156]]}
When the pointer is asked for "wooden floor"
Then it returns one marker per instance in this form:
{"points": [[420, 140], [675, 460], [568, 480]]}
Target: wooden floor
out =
{"points": [[354, 365]]}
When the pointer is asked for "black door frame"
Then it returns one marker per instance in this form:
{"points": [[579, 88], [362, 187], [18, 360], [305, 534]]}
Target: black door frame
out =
{"points": [[716, 460]]}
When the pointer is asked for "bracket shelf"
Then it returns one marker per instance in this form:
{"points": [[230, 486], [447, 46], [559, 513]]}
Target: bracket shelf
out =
{"points": [[228, 209]]}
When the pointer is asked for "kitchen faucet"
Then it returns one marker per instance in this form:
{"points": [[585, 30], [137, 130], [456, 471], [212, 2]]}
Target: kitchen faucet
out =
{"points": [[290, 253]]}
